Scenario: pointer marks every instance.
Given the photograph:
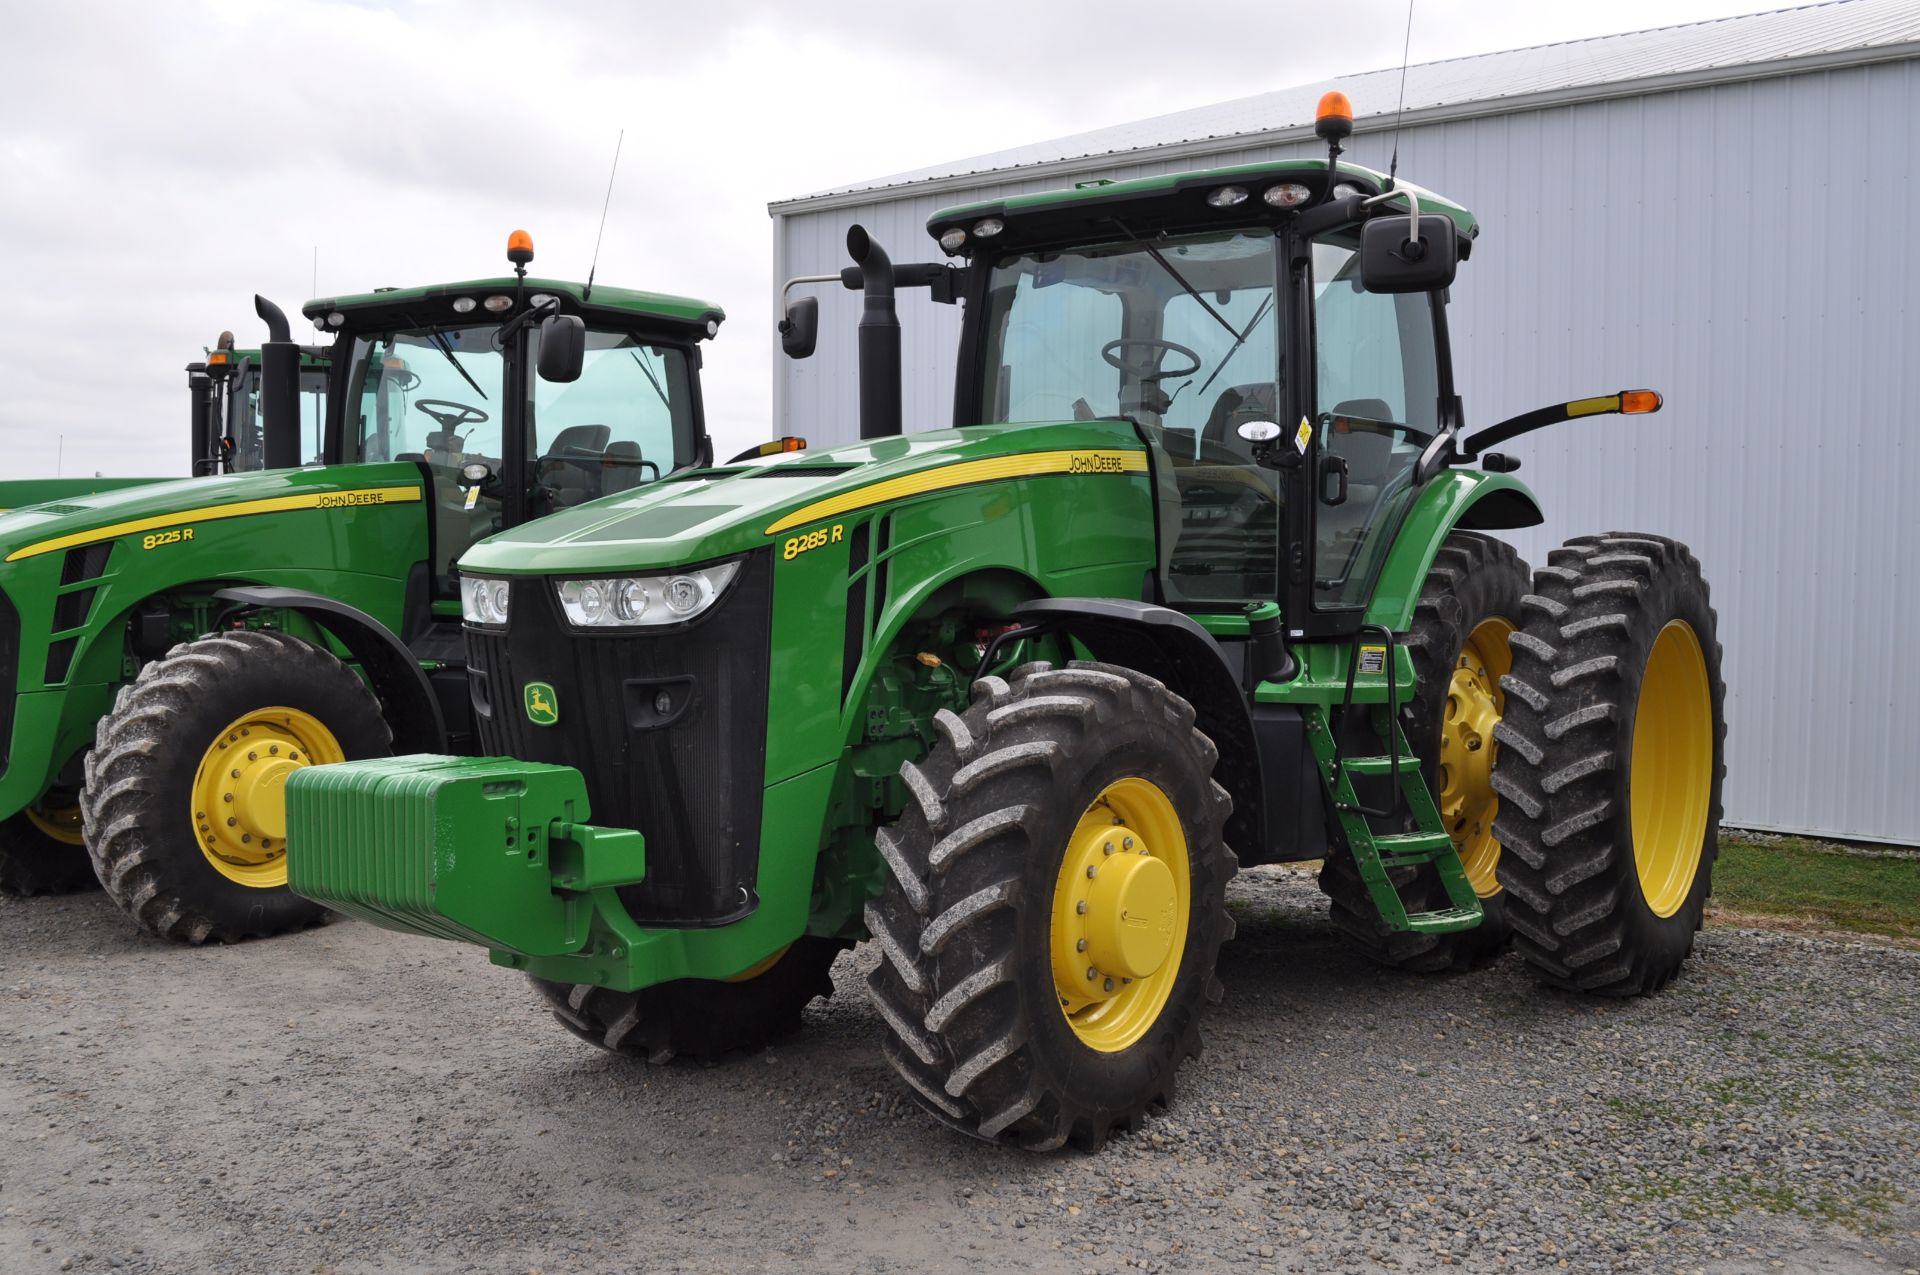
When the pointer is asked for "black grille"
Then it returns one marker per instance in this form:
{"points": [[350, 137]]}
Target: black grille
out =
{"points": [[85, 564], [9, 675], [669, 727]]}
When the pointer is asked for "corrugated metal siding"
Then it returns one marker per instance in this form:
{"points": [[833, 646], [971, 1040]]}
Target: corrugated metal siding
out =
{"points": [[1748, 249]]}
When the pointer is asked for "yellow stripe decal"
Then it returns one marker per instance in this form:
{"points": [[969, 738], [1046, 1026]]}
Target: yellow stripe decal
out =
{"points": [[358, 498], [966, 474], [1594, 406]]}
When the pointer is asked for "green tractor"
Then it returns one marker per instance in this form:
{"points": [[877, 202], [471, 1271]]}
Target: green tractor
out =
{"points": [[173, 650], [1202, 576], [228, 434]]}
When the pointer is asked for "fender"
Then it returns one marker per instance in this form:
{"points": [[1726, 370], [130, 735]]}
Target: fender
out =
{"points": [[1457, 499], [395, 675], [1168, 645]]}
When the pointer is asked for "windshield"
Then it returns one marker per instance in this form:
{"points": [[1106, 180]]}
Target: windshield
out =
{"points": [[436, 395], [1180, 335]]}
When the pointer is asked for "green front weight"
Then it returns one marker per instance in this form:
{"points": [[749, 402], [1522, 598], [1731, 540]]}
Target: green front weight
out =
{"points": [[486, 850]]}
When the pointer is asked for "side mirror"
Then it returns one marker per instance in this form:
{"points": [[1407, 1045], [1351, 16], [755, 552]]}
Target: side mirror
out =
{"points": [[1408, 254], [800, 329], [563, 347]]}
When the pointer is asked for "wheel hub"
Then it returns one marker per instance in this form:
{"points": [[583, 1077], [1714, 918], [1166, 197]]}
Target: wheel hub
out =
{"points": [[1473, 706], [1120, 914], [240, 791], [60, 822]]}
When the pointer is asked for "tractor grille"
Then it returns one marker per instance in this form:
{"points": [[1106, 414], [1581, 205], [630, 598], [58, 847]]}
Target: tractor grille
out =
{"points": [[669, 727], [9, 675]]}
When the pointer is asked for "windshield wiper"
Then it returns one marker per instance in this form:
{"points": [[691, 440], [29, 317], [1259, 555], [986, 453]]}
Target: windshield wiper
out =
{"points": [[648, 373], [1177, 277], [445, 347], [1239, 341]]}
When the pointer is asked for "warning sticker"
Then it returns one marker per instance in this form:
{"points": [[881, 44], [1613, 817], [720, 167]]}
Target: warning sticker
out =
{"points": [[1373, 659], [1303, 436]]}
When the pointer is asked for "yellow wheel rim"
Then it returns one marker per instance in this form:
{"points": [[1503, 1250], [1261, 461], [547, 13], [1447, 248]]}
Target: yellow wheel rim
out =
{"points": [[1120, 908], [240, 791], [1472, 709], [62, 823], [1671, 784], [756, 969]]}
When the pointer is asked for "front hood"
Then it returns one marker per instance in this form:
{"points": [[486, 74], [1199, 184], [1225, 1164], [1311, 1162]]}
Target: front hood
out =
{"points": [[79, 519], [715, 513]]}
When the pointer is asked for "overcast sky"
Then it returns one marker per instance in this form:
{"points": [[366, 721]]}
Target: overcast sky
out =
{"points": [[161, 162]]}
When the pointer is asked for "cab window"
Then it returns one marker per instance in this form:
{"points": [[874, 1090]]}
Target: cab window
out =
{"points": [[628, 419]]}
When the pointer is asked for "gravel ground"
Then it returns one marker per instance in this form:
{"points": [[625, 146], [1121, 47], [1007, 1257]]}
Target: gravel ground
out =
{"points": [[350, 1101]]}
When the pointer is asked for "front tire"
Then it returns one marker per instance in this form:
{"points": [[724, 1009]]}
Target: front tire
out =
{"points": [[1054, 907], [1612, 763], [42, 850], [701, 1019], [185, 799]]}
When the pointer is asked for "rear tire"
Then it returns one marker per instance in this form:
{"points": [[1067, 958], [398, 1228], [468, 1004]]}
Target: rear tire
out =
{"points": [[42, 852], [701, 1019], [982, 923], [153, 763], [1468, 605], [1616, 684]]}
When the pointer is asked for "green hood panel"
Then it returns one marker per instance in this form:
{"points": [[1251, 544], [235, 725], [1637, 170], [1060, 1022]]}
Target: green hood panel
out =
{"points": [[63, 524], [712, 514]]}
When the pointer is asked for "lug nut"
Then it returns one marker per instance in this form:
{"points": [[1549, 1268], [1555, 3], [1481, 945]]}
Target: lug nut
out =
{"points": [[1081, 946], [1092, 973], [1092, 872], [233, 823], [252, 756], [274, 749], [236, 772], [246, 838], [1109, 984], [1127, 842], [226, 796], [1081, 907], [1108, 848]]}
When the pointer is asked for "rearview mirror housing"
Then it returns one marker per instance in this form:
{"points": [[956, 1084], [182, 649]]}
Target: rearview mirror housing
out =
{"points": [[800, 328], [1395, 257], [563, 347]]}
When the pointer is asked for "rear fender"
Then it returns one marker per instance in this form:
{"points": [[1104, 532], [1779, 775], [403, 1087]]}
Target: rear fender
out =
{"points": [[1456, 499]]}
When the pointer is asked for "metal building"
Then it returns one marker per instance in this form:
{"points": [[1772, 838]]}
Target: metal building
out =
{"points": [[1725, 211]]}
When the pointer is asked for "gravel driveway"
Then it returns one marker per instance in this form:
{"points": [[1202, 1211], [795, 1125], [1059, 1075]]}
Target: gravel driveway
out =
{"points": [[349, 1100]]}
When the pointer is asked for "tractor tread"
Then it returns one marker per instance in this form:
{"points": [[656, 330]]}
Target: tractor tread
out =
{"points": [[966, 1033], [145, 752], [1579, 915]]}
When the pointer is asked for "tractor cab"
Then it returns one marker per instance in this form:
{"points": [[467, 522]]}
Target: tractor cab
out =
{"points": [[517, 397], [228, 431]]}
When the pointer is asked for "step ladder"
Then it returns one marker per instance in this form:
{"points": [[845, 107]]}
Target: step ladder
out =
{"points": [[1376, 854]]}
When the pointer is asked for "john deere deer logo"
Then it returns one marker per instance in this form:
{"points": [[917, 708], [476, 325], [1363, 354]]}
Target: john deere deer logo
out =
{"points": [[543, 706]]}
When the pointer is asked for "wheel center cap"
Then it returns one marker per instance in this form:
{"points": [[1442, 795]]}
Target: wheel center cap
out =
{"points": [[1130, 915], [260, 796]]}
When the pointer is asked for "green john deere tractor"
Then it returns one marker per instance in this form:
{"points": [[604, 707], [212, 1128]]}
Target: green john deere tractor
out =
{"points": [[228, 425], [173, 650], [1202, 576]]}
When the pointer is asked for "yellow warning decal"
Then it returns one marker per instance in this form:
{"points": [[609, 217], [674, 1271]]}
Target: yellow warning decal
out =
{"points": [[966, 474], [1303, 435], [357, 498]]}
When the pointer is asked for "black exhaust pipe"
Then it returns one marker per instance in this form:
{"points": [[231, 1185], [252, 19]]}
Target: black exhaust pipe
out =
{"points": [[200, 390], [879, 338], [279, 389]]}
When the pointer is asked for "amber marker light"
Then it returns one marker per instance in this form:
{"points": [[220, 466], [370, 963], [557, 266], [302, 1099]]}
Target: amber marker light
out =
{"points": [[520, 247], [1639, 402], [1333, 118]]}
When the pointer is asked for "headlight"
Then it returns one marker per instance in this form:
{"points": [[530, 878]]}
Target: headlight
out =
{"points": [[626, 602], [483, 601]]}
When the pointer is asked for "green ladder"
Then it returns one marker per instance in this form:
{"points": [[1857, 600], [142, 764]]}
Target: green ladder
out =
{"points": [[1377, 854]]}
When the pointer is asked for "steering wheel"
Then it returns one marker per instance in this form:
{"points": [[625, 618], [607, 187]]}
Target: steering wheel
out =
{"points": [[450, 415], [1140, 368]]}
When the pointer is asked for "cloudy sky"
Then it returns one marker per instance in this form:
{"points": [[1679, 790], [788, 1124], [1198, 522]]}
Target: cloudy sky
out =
{"points": [[162, 161]]}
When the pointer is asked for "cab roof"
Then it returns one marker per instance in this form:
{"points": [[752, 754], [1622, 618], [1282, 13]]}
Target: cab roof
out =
{"points": [[1170, 201], [604, 302]]}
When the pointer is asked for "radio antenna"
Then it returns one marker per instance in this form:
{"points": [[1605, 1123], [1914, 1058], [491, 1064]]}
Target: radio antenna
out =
{"points": [[586, 293], [1393, 166]]}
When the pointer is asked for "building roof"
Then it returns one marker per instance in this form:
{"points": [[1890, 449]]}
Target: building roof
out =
{"points": [[1838, 33]]}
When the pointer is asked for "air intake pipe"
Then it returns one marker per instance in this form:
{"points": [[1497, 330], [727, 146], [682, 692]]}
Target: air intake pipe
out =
{"points": [[205, 446], [879, 338], [279, 389]]}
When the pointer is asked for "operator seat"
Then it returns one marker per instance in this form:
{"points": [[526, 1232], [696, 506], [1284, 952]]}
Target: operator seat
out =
{"points": [[621, 467], [569, 472]]}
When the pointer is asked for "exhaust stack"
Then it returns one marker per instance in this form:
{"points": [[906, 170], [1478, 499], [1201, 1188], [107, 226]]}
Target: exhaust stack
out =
{"points": [[279, 389], [879, 338]]}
